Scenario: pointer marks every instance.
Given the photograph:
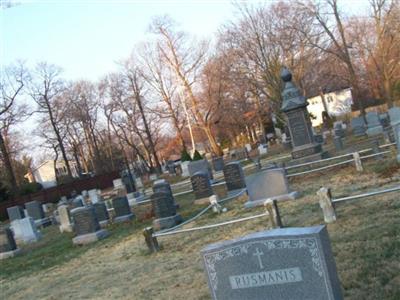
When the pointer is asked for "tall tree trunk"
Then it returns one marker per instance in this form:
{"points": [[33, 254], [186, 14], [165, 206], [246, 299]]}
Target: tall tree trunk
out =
{"points": [[8, 165]]}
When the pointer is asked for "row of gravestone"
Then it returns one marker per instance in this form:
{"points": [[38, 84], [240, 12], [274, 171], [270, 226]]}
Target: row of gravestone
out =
{"points": [[376, 123]]}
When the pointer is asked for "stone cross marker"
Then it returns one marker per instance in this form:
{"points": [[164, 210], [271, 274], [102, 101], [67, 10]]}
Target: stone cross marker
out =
{"points": [[201, 185], [290, 263], [234, 176], [269, 184]]}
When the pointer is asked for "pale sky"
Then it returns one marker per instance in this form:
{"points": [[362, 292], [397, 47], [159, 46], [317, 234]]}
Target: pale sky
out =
{"points": [[86, 38]]}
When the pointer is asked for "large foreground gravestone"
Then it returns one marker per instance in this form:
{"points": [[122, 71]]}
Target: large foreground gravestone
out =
{"points": [[122, 210], [202, 189], [374, 125], [358, 126], [65, 218], [294, 105], [271, 184], [8, 247], [164, 210], [234, 178], [280, 264], [100, 209], [35, 210], [25, 230], [86, 226], [15, 213]]}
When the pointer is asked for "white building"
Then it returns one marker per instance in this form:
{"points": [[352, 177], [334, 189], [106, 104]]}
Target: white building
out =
{"points": [[45, 173], [338, 103]]}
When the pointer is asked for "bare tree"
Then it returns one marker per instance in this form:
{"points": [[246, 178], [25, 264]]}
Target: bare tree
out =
{"points": [[46, 90], [12, 82]]}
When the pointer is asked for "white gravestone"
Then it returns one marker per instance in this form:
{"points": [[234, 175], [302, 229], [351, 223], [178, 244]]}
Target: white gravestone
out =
{"points": [[25, 230], [65, 219]]}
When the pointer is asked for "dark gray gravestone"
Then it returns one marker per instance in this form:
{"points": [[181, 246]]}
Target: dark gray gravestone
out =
{"points": [[269, 184], [201, 185], [163, 204], [394, 114], [121, 208], [338, 129], [294, 105], [200, 166], [234, 176], [319, 138], [128, 181], [35, 210], [337, 141], [358, 126], [85, 220], [15, 213], [374, 125], [76, 202], [101, 212], [7, 242], [218, 164], [162, 186], [290, 263]]}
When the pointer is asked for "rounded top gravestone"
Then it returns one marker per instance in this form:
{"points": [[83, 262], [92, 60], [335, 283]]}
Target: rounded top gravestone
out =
{"points": [[85, 220]]}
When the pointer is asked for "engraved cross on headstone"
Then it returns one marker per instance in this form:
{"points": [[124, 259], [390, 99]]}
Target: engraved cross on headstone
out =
{"points": [[258, 253]]}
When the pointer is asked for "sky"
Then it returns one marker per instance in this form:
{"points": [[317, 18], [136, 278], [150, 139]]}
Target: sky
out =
{"points": [[87, 38]]}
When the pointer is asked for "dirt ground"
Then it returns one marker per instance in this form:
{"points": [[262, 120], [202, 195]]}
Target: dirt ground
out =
{"points": [[365, 241]]}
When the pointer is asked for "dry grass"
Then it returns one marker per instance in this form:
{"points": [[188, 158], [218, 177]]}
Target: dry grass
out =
{"points": [[365, 241]]}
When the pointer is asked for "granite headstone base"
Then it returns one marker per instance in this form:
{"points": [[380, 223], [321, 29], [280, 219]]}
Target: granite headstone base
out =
{"points": [[121, 219], [307, 150], [104, 223], [9, 254], [90, 237], [168, 222], [285, 197]]}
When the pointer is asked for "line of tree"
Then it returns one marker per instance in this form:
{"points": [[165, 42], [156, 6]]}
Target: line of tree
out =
{"points": [[230, 86]]}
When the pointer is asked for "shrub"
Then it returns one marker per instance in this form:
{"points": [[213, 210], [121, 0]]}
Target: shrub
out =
{"points": [[29, 188], [185, 156], [197, 156]]}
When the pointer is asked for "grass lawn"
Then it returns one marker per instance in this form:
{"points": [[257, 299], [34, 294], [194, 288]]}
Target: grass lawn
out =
{"points": [[365, 241]]}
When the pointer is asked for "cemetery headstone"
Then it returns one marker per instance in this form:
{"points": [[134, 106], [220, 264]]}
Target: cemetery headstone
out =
{"points": [[358, 126], [218, 164], [263, 149], [35, 210], [101, 212], [164, 210], [284, 263], [374, 125], [270, 184], [128, 181], [94, 196], [394, 115], [318, 138], [200, 166], [65, 218], [294, 106], [234, 177], [15, 213], [397, 134], [122, 209], [76, 202], [338, 129], [162, 185], [25, 230], [86, 226], [201, 187], [338, 142], [8, 247], [185, 168]]}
